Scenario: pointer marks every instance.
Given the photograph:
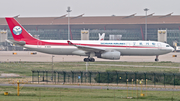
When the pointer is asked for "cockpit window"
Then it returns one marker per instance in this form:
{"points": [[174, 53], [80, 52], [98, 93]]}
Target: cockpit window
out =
{"points": [[167, 45]]}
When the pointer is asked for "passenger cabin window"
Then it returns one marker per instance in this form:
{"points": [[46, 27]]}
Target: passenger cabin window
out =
{"points": [[167, 45], [153, 43], [134, 43]]}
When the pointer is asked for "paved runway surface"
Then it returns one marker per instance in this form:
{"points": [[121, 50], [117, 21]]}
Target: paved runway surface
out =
{"points": [[95, 87], [41, 57]]}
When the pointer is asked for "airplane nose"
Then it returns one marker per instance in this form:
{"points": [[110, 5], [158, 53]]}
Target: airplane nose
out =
{"points": [[172, 49]]}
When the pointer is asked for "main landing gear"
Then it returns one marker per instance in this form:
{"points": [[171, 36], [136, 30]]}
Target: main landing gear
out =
{"points": [[156, 58], [89, 59]]}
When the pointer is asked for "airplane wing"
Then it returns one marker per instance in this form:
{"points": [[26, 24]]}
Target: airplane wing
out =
{"points": [[87, 48], [21, 43]]}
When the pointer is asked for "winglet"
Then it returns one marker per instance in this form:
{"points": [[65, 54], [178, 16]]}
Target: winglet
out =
{"points": [[70, 43]]}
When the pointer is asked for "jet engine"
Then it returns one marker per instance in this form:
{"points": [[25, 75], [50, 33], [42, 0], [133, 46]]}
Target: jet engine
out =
{"points": [[113, 55]]}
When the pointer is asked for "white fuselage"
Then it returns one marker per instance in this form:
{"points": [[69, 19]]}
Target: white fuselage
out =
{"points": [[142, 48], [101, 49]]}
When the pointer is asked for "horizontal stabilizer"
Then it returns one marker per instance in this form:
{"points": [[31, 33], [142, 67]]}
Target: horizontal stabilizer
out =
{"points": [[21, 43]]}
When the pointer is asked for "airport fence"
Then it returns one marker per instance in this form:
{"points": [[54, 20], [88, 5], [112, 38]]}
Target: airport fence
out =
{"points": [[109, 77]]}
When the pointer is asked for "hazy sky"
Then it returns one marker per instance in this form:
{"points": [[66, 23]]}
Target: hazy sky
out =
{"points": [[54, 8]]}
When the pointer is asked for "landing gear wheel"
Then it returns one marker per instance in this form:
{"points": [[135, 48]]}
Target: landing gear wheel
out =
{"points": [[156, 59], [91, 59], [86, 60]]}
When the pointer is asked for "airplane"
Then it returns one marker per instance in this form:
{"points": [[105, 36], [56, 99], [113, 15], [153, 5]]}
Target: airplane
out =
{"points": [[101, 37], [111, 50]]}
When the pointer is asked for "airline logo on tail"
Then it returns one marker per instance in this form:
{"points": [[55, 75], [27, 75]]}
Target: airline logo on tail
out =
{"points": [[17, 30]]}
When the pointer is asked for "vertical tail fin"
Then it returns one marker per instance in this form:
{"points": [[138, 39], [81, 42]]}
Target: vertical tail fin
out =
{"points": [[101, 37], [18, 32]]}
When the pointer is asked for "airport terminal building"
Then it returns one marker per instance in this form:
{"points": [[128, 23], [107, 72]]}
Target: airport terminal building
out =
{"points": [[164, 28]]}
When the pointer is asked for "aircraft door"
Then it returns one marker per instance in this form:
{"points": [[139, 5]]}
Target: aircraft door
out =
{"points": [[127, 45], [159, 45], [39, 43]]}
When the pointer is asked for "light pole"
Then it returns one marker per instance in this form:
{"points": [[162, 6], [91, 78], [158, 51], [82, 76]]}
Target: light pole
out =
{"points": [[146, 9], [52, 62], [68, 10], [52, 69]]}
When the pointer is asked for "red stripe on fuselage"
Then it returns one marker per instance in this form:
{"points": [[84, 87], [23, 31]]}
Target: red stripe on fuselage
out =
{"points": [[39, 42]]}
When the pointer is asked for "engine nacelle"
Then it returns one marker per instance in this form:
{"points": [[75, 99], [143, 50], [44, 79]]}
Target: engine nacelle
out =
{"points": [[115, 55]]}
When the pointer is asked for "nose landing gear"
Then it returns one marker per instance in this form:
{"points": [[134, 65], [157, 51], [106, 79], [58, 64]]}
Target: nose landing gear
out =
{"points": [[156, 58]]}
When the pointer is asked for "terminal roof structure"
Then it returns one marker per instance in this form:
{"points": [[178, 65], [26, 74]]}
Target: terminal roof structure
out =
{"points": [[116, 22]]}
